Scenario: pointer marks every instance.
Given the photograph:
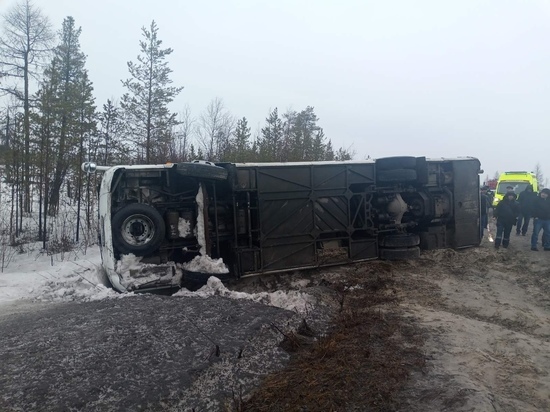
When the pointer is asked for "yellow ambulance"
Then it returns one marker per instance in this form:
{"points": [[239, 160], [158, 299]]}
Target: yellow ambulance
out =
{"points": [[517, 181]]}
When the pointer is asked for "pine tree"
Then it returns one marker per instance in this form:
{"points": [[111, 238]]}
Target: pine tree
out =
{"points": [[318, 147], [66, 109], [111, 147], [329, 151], [149, 93], [343, 154], [44, 122], [271, 142], [303, 134], [295, 137], [241, 143]]}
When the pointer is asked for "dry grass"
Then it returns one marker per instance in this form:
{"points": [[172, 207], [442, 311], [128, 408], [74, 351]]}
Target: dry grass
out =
{"points": [[362, 364]]}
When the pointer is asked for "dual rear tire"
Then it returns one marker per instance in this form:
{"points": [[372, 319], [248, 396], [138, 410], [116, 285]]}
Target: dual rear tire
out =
{"points": [[402, 246], [396, 169]]}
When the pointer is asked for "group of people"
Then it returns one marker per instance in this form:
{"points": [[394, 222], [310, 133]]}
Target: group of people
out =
{"points": [[517, 211]]}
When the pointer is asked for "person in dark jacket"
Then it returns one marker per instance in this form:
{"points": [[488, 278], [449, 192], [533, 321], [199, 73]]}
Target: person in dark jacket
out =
{"points": [[525, 200], [506, 214], [541, 215]]}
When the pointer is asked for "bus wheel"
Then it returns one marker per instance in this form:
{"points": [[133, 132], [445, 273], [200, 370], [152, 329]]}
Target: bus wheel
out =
{"points": [[201, 170], [400, 240], [138, 229], [397, 176], [400, 254], [396, 162]]}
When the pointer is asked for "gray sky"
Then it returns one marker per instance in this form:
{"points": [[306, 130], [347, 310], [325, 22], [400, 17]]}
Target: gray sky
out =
{"points": [[386, 77]]}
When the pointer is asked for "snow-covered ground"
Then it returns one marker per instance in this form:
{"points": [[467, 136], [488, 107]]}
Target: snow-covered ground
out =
{"points": [[69, 342], [78, 276], [36, 276]]}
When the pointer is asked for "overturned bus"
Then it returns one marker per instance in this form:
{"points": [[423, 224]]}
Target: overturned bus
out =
{"points": [[161, 225]]}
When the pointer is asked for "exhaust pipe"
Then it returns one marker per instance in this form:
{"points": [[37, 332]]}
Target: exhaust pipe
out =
{"points": [[90, 167]]}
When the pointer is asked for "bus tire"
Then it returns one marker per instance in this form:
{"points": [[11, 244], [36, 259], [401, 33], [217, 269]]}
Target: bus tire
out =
{"points": [[396, 162], [397, 176], [400, 254], [201, 170], [138, 228], [400, 240]]}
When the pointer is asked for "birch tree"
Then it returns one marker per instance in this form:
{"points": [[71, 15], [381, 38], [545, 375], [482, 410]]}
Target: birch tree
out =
{"points": [[214, 131]]}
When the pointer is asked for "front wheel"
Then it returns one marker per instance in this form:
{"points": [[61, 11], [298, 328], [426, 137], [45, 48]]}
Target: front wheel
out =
{"points": [[138, 229]]}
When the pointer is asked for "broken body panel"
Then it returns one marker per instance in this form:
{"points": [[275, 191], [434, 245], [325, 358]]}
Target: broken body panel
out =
{"points": [[159, 224]]}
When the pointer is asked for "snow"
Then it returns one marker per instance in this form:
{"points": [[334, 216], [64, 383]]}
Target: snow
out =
{"points": [[73, 276], [199, 228], [30, 274], [78, 276], [291, 300], [184, 227], [205, 264]]}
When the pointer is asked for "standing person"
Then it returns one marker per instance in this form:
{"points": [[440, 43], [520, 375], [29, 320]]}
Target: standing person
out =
{"points": [[541, 221], [506, 214], [525, 200], [484, 209]]}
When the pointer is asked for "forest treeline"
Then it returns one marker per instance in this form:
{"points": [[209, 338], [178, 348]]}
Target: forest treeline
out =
{"points": [[51, 122]]}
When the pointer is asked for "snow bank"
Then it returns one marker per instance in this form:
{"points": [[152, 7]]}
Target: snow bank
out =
{"points": [[74, 287], [206, 264], [37, 276], [292, 300]]}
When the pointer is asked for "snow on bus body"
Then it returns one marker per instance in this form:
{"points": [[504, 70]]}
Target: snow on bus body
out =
{"points": [[129, 273]]}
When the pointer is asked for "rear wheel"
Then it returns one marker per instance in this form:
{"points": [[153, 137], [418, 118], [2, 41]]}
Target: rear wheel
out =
{"points": [[401, 240], [400, 253], [397, 176], [396, 162]]}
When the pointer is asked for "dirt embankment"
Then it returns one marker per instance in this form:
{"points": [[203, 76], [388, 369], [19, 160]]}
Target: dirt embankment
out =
{"points": [[486, 316], [455, 331]]}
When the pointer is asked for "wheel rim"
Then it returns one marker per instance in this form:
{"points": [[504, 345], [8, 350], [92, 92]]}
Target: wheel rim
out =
{"points": [[137, 230]]}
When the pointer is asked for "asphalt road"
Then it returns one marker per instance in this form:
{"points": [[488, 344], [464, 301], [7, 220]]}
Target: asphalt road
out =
{"points": [[142, 352]]}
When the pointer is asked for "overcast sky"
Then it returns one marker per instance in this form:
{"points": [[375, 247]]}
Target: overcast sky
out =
{"points": [[437, 78]]}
